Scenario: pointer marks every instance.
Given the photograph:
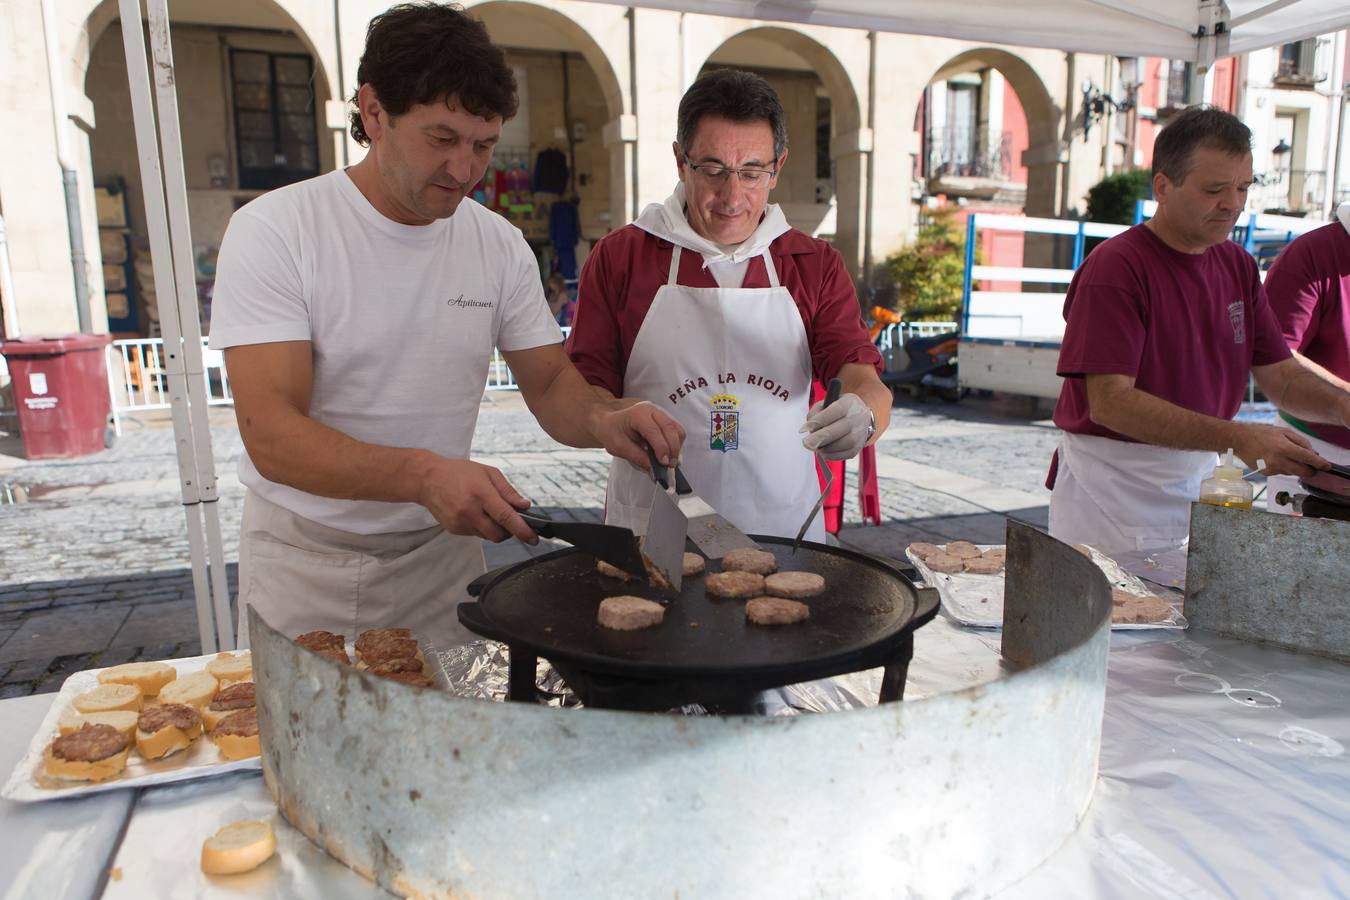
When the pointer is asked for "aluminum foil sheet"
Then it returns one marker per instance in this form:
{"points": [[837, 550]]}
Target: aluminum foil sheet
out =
{"points": [[977, 600], [480, 670]]}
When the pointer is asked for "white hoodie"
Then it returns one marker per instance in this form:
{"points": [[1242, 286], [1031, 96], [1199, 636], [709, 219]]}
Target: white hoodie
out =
{"points": [[1343, 213], [668, 222]]}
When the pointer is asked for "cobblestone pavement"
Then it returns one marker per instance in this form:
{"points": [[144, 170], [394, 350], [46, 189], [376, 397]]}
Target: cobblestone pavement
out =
{"points": [[94, 566]]}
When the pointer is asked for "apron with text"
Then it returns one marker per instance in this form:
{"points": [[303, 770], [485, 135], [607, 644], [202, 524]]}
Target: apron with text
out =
{"points": [[733, 367], [1132, 502]]}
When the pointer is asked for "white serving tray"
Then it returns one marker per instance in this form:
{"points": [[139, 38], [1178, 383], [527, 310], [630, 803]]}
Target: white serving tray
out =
{"points": [[977, 600], [28, 783]]}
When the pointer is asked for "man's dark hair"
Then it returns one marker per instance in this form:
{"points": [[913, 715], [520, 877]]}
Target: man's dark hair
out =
{"points": [[1198, 126], [424, 52], [735, 95]]}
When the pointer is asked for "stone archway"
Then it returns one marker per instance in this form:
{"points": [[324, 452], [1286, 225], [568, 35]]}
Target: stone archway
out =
{"points": [[223, 163], [521, 26], [1042, 158], [850, 143]]}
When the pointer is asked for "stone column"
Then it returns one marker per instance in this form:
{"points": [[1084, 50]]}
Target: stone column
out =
{"points": [[852, 155], [620, 137]]}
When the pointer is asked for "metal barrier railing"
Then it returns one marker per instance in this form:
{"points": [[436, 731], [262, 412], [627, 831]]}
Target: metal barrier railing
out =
{"points": [[893, 338], [499, 373], [137, 380]]}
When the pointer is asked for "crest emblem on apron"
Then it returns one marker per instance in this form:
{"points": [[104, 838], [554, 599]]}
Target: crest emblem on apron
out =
{"points": [[724, 423], [1237, 318]]}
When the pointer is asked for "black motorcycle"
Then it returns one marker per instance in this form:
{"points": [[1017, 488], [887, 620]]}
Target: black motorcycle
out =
{"points": [[929, 368]]}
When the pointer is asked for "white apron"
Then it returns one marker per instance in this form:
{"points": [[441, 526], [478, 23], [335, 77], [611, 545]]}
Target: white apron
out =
{"points": [[1132, 502], [733, 367], [303, 576]]}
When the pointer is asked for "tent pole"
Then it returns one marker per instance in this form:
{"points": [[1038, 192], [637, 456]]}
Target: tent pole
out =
{"points": [[147, 150], [189, 322]]}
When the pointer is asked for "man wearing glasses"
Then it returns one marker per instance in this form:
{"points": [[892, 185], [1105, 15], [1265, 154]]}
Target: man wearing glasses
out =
{"points": [[713, 309]]}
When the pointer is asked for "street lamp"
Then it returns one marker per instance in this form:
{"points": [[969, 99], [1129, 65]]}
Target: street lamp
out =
{"points": [[1096, 102], [1280, 153]]}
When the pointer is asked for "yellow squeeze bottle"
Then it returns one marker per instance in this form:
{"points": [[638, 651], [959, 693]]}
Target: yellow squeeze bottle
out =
{"points": [[1226, 486]]}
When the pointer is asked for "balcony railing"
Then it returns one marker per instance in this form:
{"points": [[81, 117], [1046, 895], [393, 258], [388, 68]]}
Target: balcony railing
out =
{"points": [[1293, 190], [1303, 63], [967, 152]]}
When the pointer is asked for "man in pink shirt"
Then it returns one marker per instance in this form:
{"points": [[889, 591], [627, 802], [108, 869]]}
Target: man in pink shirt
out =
{"points": [[712, 308], [1163, 324], [1309, 290]]}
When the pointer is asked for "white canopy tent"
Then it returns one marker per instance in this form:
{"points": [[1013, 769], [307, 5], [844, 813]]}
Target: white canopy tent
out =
{"points": [[1200, 31]]}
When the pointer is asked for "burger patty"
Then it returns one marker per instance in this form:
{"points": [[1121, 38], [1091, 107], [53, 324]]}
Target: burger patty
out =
{"points": [[776, 611], [734, 585], [240, 695], [419, 679], [984, 565], [374, 636], [90, 744], [396, 666], [179, 715], [628, 613], [336, 654], [761, 562], [794, 585], [375, 652], [610, 571], [241, 724], [318, 640]]}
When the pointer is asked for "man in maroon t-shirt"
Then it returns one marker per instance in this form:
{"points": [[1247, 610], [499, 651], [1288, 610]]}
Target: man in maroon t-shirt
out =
{"points": [[1309, 290], [712, 308], [1164, 323]]}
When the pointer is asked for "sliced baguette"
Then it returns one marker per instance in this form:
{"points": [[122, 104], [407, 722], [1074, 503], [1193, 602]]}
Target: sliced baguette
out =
{"points": [[195, 690], [109, 697], [227, 668], [238, 847], [148, 677]]}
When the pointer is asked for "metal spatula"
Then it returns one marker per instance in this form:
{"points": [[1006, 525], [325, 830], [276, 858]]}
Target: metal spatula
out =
{"points": [[831, 395], [616, 546], [667, 528], [711, 533]]}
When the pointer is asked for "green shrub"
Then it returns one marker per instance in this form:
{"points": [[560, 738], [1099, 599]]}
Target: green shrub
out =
{"points": [[922, 281], [1111, 200]]}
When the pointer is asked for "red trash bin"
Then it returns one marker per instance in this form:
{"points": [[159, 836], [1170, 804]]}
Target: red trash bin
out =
{"points": [[61, 392]]}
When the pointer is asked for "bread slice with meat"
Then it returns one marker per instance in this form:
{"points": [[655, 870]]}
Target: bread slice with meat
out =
{"points": [[236, 736], [167, 728], [94, 753], [124, 720], [228, 701]]}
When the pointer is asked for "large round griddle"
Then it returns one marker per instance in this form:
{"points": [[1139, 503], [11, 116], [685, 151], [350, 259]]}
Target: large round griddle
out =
{"points": [[705, 650]]}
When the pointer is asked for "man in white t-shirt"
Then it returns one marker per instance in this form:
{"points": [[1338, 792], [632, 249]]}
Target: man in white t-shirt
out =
{"points": [[358, 312]]}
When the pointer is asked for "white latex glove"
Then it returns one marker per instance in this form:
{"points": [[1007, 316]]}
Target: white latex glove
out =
{"points": [[840, 430]]}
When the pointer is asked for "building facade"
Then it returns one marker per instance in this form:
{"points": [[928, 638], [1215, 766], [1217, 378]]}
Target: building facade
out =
{"points": [[880, 126]]}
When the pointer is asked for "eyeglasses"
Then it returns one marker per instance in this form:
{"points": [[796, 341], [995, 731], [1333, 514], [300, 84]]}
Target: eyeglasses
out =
{"points": [[717, 175]]}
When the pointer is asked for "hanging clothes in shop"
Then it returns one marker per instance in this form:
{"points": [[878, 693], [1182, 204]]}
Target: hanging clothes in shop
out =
{"points": [[564, 230], [550, 171]]}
